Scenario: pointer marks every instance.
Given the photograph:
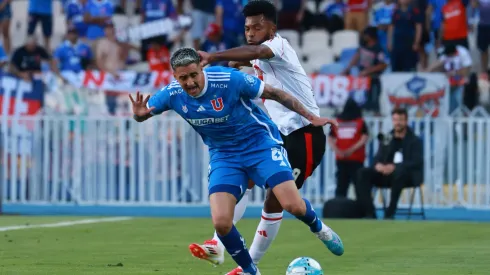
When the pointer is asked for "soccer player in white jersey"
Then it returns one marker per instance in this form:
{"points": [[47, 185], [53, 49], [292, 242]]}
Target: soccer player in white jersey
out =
{"points": [[277, 64]]}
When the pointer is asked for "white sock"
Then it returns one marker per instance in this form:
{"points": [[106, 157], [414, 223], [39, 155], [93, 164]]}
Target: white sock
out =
{"points": [[266, 233], [239, 211]]}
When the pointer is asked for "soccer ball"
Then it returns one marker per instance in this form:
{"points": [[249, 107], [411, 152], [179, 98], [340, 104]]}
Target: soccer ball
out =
{"points": [[304, 266]]}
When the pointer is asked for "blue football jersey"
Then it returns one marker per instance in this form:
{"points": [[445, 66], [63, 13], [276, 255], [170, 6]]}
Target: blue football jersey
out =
{"points": [[223, 114]]}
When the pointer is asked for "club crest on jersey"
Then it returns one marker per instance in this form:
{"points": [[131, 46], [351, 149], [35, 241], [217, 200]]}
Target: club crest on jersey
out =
{"points": [[250, 80], [184, 108], [217, 104]]}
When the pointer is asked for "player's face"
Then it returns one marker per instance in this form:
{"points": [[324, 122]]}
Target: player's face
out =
{"points": [[258, 29], [399, 122], [191, 78]]}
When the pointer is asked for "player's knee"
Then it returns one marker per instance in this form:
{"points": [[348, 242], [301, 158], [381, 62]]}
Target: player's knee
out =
{"points": [[222, 224], [295, 208]]}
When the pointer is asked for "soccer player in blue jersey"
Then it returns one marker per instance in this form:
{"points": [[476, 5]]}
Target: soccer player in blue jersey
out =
{"points": [[243, 143]]}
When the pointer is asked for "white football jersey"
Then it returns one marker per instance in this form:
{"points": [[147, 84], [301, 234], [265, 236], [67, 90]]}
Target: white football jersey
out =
{"points": [[461, 60], [284, 71]]}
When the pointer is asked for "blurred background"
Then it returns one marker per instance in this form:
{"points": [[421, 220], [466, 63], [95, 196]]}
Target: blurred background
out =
{"points": [[68, 141]]}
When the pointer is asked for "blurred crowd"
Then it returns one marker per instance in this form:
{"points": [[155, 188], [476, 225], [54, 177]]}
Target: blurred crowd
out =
{"points": [[377, 36]]}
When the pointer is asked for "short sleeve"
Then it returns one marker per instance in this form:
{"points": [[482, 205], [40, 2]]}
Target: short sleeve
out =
{"points": [[161, 102], [418, 17], [219, 3], [58, 53], [276, 45], [248, 85]]}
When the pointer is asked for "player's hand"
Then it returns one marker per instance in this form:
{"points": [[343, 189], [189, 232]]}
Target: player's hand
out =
{"points": [[139, 105], [204, 58], [234, 64], [322, 121]]}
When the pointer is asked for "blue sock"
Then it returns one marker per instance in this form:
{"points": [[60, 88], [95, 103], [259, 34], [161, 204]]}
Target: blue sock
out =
{"points": [[310, 218], [236, 247]]}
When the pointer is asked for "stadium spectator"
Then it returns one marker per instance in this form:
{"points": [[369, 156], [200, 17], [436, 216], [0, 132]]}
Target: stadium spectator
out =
{"points": [[26, 60], [456, 63], [371, 61], [483, 38], [334, 16], [202, 15], [152, 10], [421, 6], [73, 55], [399, 163], [231, 20], [434, 19], [348, 141], [291, 14], [158, 55], [110, 54], [382, 16], [454, 29], [5, 17], [404, 37], [74, 16], [357, 14], [215, 41], [41, 11], [97, 14]]}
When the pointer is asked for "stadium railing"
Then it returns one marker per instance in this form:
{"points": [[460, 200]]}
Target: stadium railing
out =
{"points": [[109, 160]]}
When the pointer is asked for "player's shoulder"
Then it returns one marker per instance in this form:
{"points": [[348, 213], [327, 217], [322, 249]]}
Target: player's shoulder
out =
{"points": [[221, 74], [172, 89]]}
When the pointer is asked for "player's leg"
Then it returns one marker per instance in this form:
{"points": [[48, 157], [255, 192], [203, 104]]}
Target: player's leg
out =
{"points": [[240, 208], [275, 172], [304, 150], [222, 200], [288, 196]]}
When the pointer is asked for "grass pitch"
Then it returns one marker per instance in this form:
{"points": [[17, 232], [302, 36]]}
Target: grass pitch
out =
{"points": [[159, 246]]}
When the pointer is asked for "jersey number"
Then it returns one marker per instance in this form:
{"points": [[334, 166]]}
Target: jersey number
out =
{"points": [[217, 104], [277, 155]]}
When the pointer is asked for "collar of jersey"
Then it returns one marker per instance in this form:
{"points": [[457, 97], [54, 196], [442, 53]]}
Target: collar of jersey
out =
{"points": [[205, 86]]}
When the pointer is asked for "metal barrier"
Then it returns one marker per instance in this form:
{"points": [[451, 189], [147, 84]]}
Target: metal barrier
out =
{"points": [[116, 161]]}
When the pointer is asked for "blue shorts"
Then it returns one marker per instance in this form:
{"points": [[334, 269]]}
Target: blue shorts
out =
{"points": [[46, 21], [230, 172]]}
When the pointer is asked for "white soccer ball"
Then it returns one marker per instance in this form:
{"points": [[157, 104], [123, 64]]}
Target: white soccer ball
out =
{"points": [[304, 266]]}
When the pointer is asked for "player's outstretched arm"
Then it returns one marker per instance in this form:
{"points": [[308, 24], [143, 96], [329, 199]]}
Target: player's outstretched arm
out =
{"points": [[242, 53], [140, 111], [294, 105]]}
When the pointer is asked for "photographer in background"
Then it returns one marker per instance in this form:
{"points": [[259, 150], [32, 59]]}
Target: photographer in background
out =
{"points": [[398, 164], [348, 141]]}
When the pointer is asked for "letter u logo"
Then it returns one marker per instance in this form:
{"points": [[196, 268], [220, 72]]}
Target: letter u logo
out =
{"points": [[217, 104]]}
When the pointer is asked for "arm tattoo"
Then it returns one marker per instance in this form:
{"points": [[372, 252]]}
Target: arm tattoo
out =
{"points": [[287, 101]]}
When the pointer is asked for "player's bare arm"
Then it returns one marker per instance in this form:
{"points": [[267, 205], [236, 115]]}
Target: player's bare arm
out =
{"points": [[242, 54], [140, 111], [239, 64], [294, 105]]}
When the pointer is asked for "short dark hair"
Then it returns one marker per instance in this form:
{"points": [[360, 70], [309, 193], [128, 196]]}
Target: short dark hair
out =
{"points": [[184, 57], [450, 49], [371, 32], [400, 111], [261, 7]]}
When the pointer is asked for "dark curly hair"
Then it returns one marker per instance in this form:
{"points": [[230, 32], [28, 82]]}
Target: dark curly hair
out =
{"points": [[261, 7]]}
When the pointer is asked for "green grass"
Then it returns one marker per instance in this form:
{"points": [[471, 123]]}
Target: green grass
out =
{"points": [[159, 246]]}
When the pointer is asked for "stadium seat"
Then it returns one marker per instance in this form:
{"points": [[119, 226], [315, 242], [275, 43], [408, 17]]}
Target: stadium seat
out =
{"points": [[315, 39], [333, 68], [346, 55], [316, 58], [344, 39], [292, 36], [409, 212]]}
